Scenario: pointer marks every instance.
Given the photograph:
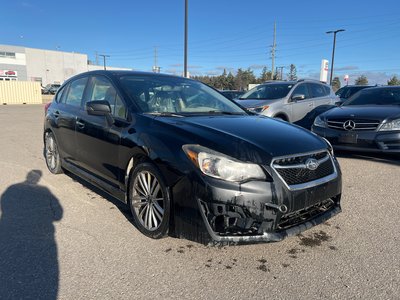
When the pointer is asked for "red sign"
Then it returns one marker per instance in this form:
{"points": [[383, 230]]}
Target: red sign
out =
{"points": [[8, 73]]}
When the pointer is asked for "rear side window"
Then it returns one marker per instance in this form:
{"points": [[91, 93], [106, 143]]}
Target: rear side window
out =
{"points": [[60, 94], [75, 92], [104, 90], [318, 90]]}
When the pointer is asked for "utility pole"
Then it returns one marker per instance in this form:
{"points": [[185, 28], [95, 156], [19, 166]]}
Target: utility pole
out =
{"points": [[273, 49], [186, 40], [156, 68], [333, 50], [97, 58], [279, 74], [104, 60]]}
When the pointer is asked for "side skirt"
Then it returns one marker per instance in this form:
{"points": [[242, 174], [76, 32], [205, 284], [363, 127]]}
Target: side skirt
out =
{"points": [[97, 182]]}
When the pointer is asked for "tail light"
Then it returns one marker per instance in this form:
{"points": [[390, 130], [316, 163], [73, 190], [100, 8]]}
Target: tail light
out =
{"points": [[46, 107]]}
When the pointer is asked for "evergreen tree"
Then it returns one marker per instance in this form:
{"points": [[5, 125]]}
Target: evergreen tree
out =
{"points": [[361, 80], [393, 81], [239, 82], [230, 81], [265, 75], [292, 72], [336, 84]]}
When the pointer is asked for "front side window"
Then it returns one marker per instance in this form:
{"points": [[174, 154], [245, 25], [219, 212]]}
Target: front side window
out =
{"points": [[301, 90], [75, 92], [159, 94], [268, 92], [104, 90]]}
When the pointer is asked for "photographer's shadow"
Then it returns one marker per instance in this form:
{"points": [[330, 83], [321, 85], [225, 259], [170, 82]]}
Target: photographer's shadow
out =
{"points": [[28, 250]]}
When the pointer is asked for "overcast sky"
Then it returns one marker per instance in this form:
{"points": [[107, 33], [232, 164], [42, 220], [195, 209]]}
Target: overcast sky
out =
{"points": [[222, 34]]}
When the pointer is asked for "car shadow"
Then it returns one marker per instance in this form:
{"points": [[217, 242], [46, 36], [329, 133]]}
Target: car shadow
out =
{"points": [[28, 249], [390, 159], [122, 207]]}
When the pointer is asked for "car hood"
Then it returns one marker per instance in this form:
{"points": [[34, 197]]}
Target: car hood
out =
{"points": [[247, 138], [369, 112], [255, 103]]}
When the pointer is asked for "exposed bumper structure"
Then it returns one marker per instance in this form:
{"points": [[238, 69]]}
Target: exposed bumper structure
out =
{"points": [[255, 211]]}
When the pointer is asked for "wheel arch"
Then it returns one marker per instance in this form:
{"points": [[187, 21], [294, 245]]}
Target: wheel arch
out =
{"points": [[282, 116]]}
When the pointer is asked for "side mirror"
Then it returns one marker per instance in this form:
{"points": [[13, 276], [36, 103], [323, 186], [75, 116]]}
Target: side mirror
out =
{"points": [[98, 108], [298, 97]]}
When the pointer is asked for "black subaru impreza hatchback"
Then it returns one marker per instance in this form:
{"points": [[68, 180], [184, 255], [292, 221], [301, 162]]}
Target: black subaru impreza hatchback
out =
{"points": [[189, 162]]}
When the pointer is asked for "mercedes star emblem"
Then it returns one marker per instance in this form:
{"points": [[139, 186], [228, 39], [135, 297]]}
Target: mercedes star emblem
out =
{"points": [[349, 125]]}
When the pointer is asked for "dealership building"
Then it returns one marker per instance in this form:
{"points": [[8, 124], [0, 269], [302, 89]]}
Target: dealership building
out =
{"points": [[44, 66]]}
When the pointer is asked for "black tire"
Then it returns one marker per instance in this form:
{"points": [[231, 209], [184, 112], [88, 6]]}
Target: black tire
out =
{"points": [[149, 201], [51, 154]]}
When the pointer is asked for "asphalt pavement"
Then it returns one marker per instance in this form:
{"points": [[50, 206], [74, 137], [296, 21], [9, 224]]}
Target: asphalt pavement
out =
{"points": [[61, 239]]}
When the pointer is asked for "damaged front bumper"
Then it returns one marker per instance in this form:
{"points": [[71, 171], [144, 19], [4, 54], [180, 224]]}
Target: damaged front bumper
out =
{"points": [[261, 211], [251, 216], [209, 210]]}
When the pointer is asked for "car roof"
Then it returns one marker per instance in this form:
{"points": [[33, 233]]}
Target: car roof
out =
{"points": [[386, 87], [117, 73]]}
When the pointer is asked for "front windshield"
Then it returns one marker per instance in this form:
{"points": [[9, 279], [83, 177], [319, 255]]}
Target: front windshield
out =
{"points": [[174, 95], [268, 91], [375, 96]]}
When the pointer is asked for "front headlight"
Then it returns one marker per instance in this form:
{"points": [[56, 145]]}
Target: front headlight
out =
{"points": [[319, 122], [218, 165], [260, 109], [392, 125]]}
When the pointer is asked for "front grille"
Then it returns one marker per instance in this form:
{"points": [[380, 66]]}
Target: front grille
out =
{"points": [[293, 170], [360, 124]]}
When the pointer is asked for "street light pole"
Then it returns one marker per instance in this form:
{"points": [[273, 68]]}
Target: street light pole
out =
{"points": [[104, 60], [333, 50], [186, 40]]}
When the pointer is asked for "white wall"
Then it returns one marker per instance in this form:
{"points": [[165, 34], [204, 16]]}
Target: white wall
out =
{"points": [[18, 60], [54, 66]]}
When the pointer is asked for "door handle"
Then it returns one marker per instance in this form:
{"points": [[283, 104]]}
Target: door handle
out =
{"points": [[310, 104], [80, 124]]}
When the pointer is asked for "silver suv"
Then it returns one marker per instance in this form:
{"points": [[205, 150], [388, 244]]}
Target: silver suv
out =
{"points": [[292, 101]]}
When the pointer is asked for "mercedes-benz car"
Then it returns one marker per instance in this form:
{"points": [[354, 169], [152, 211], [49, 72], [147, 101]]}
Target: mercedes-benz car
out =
{"points": [[189, 162], [368, 121]]}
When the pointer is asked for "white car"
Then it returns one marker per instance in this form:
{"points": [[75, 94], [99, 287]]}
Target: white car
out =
{"points": [[292, 101]]}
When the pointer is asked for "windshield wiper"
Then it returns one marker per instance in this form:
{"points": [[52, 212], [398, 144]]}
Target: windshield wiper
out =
{"points": [[219, 112], [166, 114]]}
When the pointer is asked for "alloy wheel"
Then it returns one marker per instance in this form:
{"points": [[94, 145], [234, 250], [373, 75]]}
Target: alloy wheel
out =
{"points": [[148, 200]]}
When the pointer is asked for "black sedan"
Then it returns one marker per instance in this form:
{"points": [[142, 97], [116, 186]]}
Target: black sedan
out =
{"points": [[347, 91], [368, 121], [188, 161]]}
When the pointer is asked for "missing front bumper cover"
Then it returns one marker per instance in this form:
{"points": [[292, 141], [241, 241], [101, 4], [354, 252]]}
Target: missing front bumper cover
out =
{"points": [[234, 224]]}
